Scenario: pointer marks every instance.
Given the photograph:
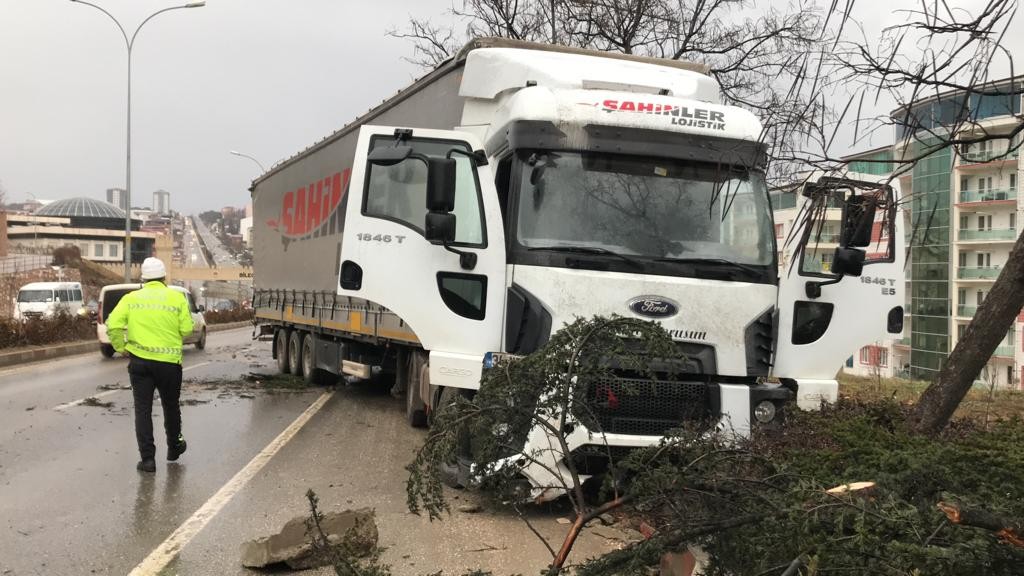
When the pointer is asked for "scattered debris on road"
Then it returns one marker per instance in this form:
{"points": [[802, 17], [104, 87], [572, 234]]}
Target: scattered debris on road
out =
{"points": [[96, 402], [469, 508], [352, 532]]}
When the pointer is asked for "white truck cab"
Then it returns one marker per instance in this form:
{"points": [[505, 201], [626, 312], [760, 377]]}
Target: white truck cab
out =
{"points": [[521, 186]]}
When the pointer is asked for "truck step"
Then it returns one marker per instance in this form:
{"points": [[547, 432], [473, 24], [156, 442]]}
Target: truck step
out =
{"points": [[356, 369]]}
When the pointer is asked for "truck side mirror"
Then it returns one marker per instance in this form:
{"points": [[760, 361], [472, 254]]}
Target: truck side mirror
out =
{"points": [[848, 261], [439, 227], [858, 221], [441, 185]]}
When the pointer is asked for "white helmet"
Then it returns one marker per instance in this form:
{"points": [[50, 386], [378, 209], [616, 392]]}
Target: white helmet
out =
{"points": [[153, 268]]}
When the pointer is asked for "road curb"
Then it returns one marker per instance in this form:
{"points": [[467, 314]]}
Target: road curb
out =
{"points": [[37, 353], [227, 326]]}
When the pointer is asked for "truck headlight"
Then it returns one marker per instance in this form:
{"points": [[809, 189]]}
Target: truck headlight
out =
{"points": [[765, 411]]}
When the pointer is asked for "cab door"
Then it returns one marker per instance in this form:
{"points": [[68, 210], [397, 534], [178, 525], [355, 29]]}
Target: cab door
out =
{"points": [[829, 306], [450, 293]]}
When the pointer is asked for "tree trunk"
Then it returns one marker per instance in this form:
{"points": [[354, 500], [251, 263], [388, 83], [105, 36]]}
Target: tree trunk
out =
{"points": [[992, 321]]}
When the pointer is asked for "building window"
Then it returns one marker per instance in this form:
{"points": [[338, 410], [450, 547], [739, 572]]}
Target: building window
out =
{"points": [[115, 249], [1013, 181], [97, 250], [874, 356], [778, 230]]}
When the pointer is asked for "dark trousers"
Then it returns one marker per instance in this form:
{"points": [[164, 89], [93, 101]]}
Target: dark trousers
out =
{"points": [[147, 376]]}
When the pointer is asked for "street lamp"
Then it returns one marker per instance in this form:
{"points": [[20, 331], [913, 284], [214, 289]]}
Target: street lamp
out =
{"points": [[129, 43], [237, 153]]}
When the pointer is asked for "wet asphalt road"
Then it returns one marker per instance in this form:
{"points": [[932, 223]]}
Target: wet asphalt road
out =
{"points": [[71, 501]]}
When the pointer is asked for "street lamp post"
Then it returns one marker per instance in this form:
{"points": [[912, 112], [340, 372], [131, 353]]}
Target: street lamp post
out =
{"points": [[129, 43], [258, 163]]}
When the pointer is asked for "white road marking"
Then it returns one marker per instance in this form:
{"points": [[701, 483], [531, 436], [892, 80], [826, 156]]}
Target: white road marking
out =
{"points": [[81, 401], [159, 558]]}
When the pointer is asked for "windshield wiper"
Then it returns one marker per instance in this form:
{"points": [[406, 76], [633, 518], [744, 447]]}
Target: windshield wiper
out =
{"points": [[590, 250], [716, 261]]}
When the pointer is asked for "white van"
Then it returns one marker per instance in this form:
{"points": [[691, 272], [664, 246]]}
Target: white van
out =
{"points": [[46, 299], [111, 294]]}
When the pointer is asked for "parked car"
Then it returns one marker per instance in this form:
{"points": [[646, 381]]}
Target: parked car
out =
{"points": [[47, 299], [109, 297]]}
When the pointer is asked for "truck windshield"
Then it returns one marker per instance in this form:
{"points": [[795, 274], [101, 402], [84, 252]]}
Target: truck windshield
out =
{"points": [[35, 296], [651, 209]]}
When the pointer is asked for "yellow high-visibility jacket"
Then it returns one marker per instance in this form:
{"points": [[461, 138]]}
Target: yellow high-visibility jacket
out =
{"points": [[156, 318]]}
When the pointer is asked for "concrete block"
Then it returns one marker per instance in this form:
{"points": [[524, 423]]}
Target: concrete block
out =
{"points": [[353, 532]]}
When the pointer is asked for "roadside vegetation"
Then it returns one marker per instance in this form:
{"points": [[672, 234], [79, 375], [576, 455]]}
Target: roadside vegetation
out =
{"points": [[237, 314], [39, 332], [854, 488]]}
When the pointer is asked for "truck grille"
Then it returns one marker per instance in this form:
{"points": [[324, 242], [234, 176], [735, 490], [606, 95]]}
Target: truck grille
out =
{"points": [[643, 406]]}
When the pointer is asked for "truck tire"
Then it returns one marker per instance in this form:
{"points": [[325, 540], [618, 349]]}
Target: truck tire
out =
{"points": [[455, 474], [295, 353], [415, 410], [310, 373], [107, 350], [281, 346]]}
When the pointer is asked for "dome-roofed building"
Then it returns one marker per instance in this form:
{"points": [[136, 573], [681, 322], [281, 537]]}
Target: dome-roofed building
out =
{"points": [[94, 226], [87, 213]]}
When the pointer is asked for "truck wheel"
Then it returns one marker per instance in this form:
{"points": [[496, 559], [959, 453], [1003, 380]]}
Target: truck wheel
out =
{"points": [[295, 353], [455, 473], [281, 345], [415, 410], [309, 370], [201, 344], [107, 350]]}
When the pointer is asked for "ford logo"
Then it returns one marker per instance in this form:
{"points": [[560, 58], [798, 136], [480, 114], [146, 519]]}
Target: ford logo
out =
{"points": [[653, 306]]}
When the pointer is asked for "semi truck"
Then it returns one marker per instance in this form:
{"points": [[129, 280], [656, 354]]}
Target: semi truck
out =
{"points": [[519, 186]]}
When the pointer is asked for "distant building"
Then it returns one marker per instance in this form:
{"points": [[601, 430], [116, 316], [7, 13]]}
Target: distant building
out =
{"points": [[95, 226], [162, 202], [117, 197], [245, 229]]}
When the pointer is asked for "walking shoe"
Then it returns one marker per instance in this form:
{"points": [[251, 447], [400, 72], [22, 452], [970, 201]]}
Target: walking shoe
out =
{"points": [[147, 465], [178, 449]]}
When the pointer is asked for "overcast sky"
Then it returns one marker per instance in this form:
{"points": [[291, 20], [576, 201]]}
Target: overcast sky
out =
{"points": [[265, 77]]}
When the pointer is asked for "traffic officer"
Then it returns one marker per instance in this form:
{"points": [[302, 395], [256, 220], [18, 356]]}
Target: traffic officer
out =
{"points": [[149, 325]]}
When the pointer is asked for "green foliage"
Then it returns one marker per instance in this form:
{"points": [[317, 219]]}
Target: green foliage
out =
{"points": [[758, 506], [41, 331], [544, 392]]}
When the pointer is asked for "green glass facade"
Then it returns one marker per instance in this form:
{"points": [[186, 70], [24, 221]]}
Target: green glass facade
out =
{"points": [[877, 163], [930, 253]]}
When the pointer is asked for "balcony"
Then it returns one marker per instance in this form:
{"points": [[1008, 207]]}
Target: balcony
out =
{"points": [[966, 311], [992, 235], [978, 272], [987, 156], [988, 195], [1005, 350]]}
